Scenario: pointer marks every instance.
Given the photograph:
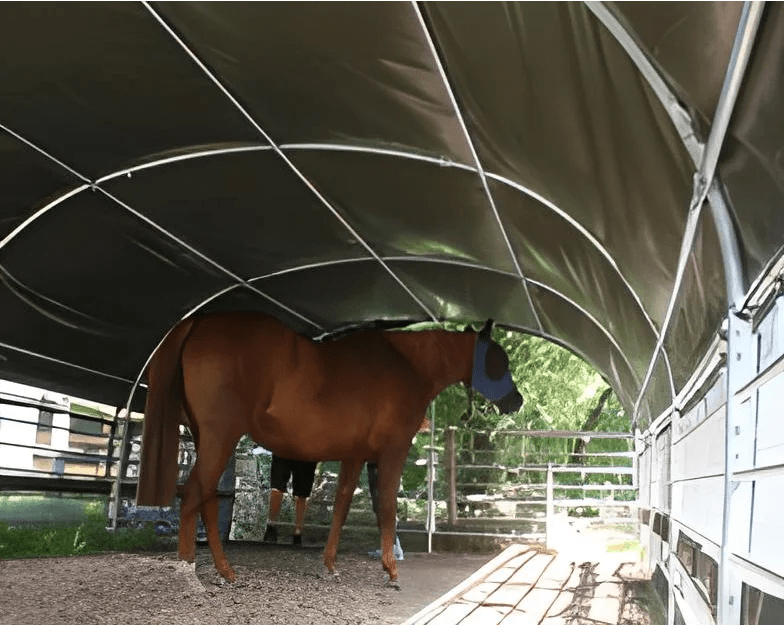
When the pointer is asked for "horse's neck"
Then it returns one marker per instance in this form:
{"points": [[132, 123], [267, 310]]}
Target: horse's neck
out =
{"points": [[440, 357]]}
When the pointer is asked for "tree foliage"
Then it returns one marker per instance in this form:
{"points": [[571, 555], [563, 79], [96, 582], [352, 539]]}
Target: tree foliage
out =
{"points": [[561, 392], [559, 389]]}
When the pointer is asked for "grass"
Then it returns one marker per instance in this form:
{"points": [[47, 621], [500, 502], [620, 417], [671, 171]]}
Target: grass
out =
{"points": [[48, 509], [623, 547], [89, 536]]}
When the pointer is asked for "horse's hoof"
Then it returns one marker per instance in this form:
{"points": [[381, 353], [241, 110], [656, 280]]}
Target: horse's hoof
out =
{"points": [[188, 570], [391, 583], [229, 575], [330, 575]]}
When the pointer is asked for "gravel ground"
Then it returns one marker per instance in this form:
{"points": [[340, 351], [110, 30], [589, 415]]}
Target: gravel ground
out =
{"points": [[275, 585]]}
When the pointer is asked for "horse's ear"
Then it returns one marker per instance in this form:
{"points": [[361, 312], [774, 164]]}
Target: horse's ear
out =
{"points": [[487, 329]]}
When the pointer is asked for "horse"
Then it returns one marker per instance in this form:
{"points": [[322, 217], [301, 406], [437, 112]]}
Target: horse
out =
{"points": [[354, 399]]}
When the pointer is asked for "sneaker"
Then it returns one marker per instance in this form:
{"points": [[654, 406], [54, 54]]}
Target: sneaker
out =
{"points": [[399, 555], [296, 539], [271, 534]]}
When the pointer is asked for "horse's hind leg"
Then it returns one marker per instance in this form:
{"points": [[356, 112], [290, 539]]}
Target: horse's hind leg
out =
{"points": [[190, 505], [347, 483], [200, 494]]}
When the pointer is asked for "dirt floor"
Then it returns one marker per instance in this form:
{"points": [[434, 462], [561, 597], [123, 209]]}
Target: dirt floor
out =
{"points": [[275, 585]]}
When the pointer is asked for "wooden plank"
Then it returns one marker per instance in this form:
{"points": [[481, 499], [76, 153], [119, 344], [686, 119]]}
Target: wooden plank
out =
{"points": [[559, 608], [580, 587], [606, 571], [479, 592], [606, 603], [500, 560], [557, 573], [454, 613], [532, 569], [576, 580], [486, 615], [519, 617], [509, 594], [425, 619], [537, 602], [501, 575], [521, 559]]}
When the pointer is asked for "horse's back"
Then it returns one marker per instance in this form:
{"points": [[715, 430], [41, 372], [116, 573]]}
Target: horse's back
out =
{"points": [[299, 398], [232, 346]]}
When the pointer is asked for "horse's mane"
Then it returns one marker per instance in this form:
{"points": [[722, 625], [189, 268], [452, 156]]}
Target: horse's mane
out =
{"points": [[399, 324], [372, 325]]}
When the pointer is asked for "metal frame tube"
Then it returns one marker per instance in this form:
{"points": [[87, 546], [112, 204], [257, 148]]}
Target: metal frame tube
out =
{"points": [[703, 178], [734, 276], [547, 204], [354, 233], [475, 156], [431, 477]]}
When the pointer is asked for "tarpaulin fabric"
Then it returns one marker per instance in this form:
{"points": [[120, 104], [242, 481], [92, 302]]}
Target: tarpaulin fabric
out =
{"points": [[343, 164]]}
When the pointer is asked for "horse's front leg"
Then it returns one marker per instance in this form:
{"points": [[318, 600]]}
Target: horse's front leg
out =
{"points": [[347, 483], [389, 471]]}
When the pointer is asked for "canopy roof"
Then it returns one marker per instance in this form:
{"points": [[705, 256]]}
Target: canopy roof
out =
{"points": [[336, 164]]}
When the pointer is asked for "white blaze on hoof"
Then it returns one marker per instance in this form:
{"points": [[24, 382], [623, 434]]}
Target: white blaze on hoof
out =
{"points": [[330, 575], [391, 583], [188, 571]]}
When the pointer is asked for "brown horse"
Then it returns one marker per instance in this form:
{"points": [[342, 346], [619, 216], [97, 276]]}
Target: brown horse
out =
{"points": [[354, 399]]}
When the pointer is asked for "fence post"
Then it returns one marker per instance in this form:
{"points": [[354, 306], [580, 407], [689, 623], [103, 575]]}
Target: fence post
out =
{"points": [[110, 447], [431, 478], [550, 508], [451, 474], [122, 465]]}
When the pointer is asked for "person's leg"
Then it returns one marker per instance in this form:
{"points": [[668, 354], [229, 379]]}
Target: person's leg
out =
{"points": [[279, 477], [302, 486], [372, 474], [275, 502], [299, 521]]}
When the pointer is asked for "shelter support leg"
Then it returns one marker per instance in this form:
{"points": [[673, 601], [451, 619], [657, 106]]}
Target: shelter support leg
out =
{"points": [[741, 368]]}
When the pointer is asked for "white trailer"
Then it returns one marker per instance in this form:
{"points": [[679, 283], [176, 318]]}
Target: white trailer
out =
{"points": [[712, 477]]}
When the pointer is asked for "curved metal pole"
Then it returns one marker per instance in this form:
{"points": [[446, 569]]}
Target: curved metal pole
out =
{"points": [[734, 277], [704, 177], [60, 362], [290, 164], [679, 117], [472, 266], [202, 153], [475, 156]]}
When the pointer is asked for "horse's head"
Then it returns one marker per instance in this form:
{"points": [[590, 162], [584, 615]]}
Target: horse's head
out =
{"points": [[490, 375]]}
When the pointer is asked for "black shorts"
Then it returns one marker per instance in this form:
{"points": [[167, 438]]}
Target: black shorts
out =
{"points": [[302, 474]]}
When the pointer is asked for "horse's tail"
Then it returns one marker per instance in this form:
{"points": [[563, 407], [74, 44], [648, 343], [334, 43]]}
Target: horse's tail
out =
{"points": [[163, 413]]}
